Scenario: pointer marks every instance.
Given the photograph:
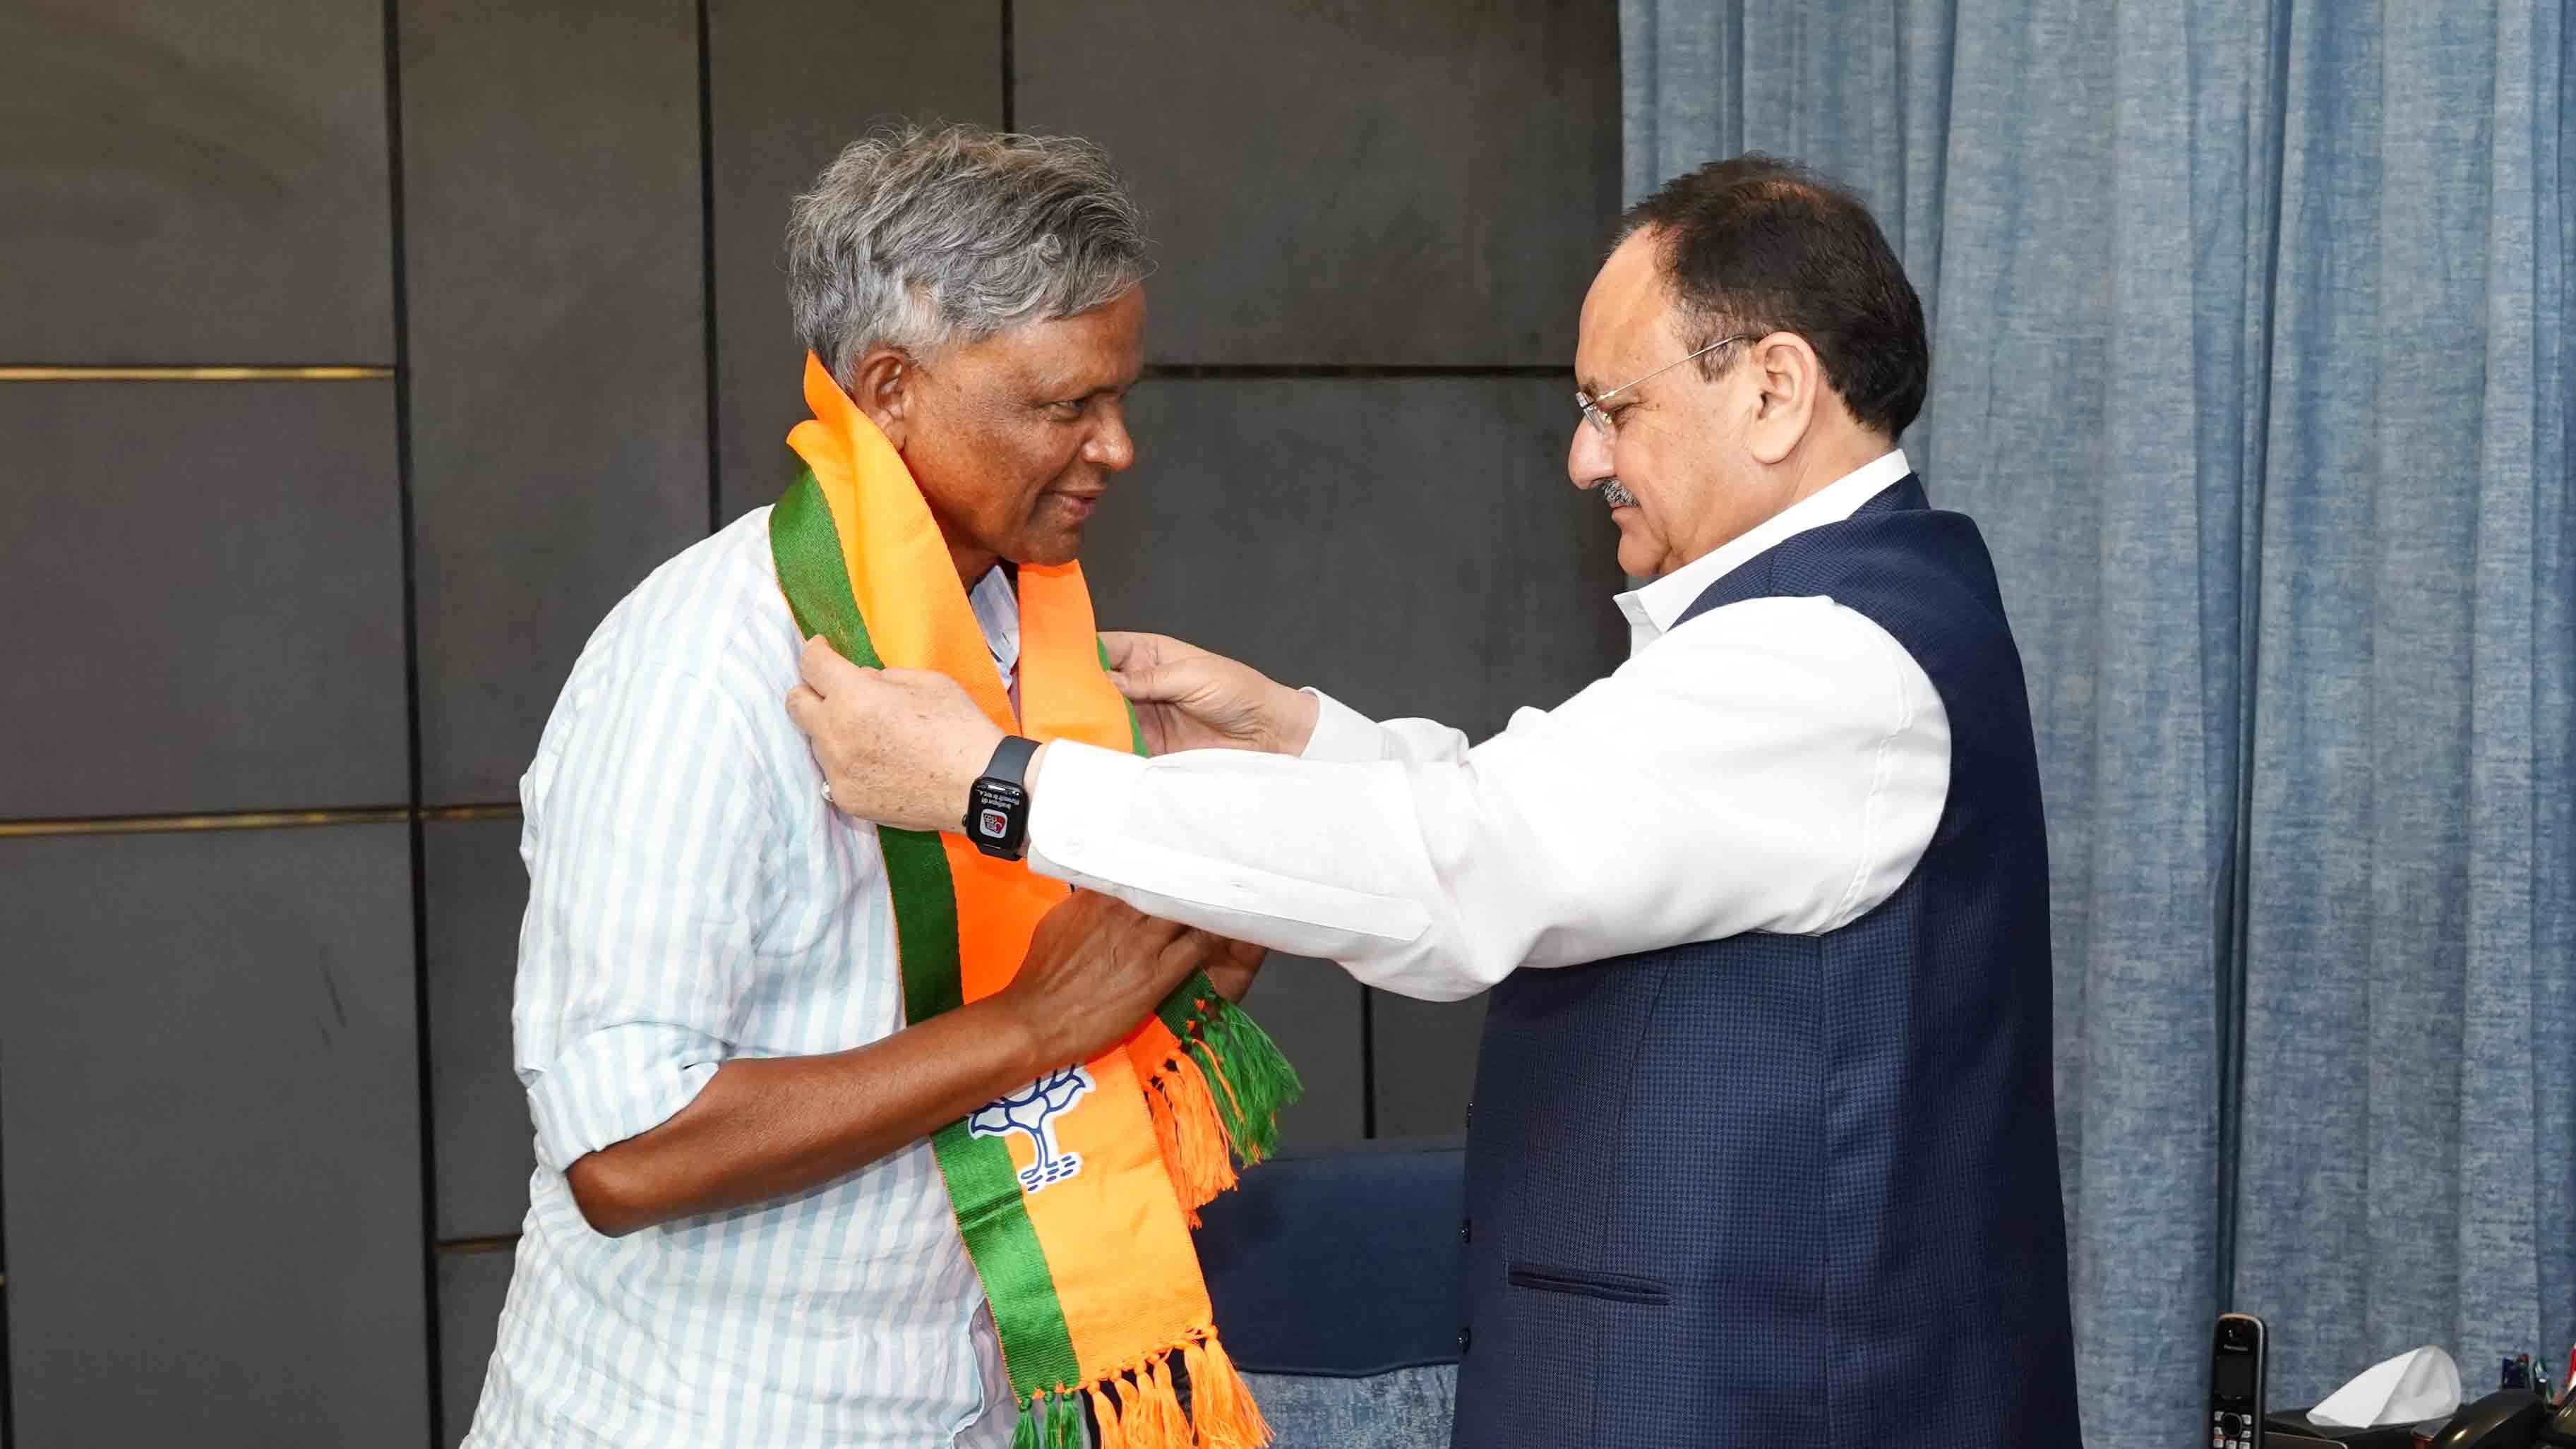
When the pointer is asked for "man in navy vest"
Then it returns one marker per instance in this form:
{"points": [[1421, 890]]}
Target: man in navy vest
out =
{"points": [[1764, 1149]]}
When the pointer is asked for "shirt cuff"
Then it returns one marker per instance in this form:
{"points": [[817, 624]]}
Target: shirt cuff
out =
{"points": [[1153, 833], [618, 1082], [1342, 733], [1084, 788]]}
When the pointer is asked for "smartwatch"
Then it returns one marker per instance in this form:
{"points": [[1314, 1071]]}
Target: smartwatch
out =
{"points": [[997, 808]]}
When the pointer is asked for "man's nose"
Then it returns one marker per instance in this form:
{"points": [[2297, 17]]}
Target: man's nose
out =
{"points": [[1588, 458], [1110, 446]]}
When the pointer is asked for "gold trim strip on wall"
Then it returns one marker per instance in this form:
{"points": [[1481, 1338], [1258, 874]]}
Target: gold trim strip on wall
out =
{"points": [[241, 820], [192, 374], [470, 812], [502, 1244], [249, 820]]}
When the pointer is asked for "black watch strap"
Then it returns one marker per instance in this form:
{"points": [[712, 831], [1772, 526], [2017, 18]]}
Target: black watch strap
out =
{"points": [[997, 808], [1011, 758]]}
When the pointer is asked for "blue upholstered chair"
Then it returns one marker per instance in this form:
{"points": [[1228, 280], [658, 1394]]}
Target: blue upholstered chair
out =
{"points": [[1335, 1276]]}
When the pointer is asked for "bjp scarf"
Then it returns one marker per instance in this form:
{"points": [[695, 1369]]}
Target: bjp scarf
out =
{"points": [[1075, 1195]]}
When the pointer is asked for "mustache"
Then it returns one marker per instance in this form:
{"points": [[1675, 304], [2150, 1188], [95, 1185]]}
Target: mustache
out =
{"points": [[1615, 494]]}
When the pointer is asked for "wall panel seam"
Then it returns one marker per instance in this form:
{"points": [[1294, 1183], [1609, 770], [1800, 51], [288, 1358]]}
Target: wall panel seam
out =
{"points": [[433, 1374], [320, 372], [707, 264], [8, 1393], [1279, 370], [249, 820]]}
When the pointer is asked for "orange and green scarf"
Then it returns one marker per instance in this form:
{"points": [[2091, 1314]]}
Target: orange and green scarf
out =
{"points": [[1076, 1194]]}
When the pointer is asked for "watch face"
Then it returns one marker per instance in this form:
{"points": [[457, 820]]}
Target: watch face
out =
{"points": [[997, 814]]}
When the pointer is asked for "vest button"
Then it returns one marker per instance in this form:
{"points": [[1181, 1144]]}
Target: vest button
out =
{"points": [[1471, 1114], [1465, 1338], [1466, 1230]]}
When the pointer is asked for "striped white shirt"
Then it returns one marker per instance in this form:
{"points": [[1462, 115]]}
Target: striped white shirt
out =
{"points": [[693, 898]]}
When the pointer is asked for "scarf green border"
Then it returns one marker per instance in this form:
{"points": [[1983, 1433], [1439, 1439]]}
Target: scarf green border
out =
{"points": [[983, 1186], [1248, 1078]]}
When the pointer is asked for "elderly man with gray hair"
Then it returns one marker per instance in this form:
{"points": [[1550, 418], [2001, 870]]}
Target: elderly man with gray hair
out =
{"points": [[738, 1232]]}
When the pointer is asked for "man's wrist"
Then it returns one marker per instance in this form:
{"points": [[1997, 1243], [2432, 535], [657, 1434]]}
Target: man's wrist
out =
{"points": [[1024, 1046], [959, 791], [1297, 715]]}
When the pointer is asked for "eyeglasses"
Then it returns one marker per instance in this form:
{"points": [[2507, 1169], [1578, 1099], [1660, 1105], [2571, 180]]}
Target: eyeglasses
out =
{"points": [[1600, 420]]}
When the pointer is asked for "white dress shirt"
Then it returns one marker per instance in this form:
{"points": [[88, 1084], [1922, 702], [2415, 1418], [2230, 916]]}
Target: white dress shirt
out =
{"points": [[1774, 765], [693, 898]]}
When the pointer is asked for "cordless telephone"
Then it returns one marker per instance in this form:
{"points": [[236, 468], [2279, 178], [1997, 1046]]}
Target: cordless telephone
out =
{"points": [[2236, 1370]]}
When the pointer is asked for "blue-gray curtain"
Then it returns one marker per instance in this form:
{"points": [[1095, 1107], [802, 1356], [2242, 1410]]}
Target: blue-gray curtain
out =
{"points": [[2249, 355]]}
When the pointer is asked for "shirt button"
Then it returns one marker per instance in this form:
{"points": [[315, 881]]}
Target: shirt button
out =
{"points": [[1465, 1338]]}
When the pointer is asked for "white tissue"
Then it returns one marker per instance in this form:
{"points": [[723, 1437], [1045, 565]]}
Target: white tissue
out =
{"points": [[2420, 1384]]}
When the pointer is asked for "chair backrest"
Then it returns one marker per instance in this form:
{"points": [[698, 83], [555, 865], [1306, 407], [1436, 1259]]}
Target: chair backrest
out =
{"points": [[1335, 1278]]}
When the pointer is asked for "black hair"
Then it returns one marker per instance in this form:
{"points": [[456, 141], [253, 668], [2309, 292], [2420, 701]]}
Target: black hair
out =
{"points": [[1762, 245]]}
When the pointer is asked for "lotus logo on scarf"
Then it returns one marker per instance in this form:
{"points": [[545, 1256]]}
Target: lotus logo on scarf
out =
{"points": [[1028, 1111]]}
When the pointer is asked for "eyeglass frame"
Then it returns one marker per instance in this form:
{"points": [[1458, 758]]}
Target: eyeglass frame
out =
{"points": [[1601, 421]]}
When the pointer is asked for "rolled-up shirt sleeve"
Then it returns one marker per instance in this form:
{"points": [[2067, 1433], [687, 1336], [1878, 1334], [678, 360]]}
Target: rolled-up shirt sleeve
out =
{"points": [[1778, 765], [645, 823]]}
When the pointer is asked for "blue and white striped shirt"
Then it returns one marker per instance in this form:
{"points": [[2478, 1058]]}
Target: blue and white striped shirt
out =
{"points": [[693, 898]]}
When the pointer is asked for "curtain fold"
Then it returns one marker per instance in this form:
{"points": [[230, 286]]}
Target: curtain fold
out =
{"points": [[2248, 338], [2406, 1143]]}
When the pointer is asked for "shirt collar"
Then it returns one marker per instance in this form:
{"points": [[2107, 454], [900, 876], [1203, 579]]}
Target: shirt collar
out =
{"points": [[997, 613], [1654, 608]]}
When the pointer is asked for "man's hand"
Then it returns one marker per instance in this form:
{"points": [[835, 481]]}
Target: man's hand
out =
{"points": [[1189, 699], [1096, 967], [901, 747], [1232, 965]]}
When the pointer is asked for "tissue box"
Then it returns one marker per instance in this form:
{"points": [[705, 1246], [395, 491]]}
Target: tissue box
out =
{"points": [[2290, 1429]]}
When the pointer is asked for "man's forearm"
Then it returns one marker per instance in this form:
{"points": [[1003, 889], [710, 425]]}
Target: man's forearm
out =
{"points": [[765, 1127]]}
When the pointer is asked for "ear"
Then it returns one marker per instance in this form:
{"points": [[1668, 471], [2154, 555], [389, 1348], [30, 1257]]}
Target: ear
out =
{"points": [[1791, 379], [883, 388]]}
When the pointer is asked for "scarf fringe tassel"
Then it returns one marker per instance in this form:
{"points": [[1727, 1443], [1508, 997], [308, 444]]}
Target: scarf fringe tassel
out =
{"points": [[1139, 1408], [1187, 1129], [1216, 1099]]}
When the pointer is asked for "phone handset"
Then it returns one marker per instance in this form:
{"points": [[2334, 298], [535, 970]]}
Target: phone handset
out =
{"points": [[2237, 1369]]}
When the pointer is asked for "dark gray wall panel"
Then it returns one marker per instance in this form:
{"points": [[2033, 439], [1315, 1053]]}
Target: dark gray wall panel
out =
{"points": [[793, 81], [1419, 183], [476, 892], [1410, 545], [209, 1101], [558, 348], [471, 1289], [209, 580], [193, 181], [1426, 1064], [1312, 1010]]}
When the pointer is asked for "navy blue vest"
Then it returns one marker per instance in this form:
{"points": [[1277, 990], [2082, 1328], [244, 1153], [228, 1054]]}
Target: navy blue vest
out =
{"points": [[1797, 1190]]}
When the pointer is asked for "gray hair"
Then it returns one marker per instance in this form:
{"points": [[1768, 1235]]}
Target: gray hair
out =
{"points": [[916, 238]]}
